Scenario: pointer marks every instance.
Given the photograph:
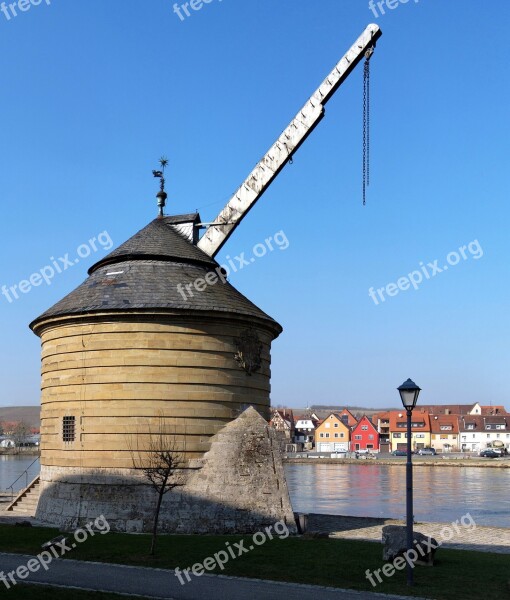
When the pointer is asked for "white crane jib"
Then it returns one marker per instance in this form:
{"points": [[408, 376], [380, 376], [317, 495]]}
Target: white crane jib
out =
{"points": [[285, 146]]}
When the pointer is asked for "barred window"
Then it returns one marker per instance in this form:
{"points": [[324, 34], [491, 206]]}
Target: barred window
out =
{"points": [[68, 427]]}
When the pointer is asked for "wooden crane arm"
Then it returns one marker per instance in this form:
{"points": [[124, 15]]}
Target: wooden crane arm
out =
{"points": [[285, 146]]}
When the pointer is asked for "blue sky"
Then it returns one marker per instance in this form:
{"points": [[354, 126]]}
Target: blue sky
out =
{"points": [[94, 92]]}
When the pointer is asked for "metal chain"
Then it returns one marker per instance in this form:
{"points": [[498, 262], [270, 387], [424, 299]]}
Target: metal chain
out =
{"points": [[366, 122], [367, 71]]}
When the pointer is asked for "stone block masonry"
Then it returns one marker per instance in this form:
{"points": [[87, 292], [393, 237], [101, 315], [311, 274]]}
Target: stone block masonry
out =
{"points": [[116, 378], [237, 487], [123, 356]]}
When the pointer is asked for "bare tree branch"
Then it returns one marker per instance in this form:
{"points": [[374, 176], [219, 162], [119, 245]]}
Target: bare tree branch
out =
{"points": [[158, 459]]}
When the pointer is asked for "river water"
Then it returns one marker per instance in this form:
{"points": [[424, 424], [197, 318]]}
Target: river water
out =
{"points": [[441, 494], [12, 466]]}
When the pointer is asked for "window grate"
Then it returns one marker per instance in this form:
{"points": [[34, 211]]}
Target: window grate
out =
{"points": [[68, 429]]}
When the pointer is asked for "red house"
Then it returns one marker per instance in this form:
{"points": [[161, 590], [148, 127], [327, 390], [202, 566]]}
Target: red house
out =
{"points": [[364, 436]]}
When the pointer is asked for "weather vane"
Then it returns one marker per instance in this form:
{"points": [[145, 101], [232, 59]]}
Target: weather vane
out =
{"points": [[161, 195]]}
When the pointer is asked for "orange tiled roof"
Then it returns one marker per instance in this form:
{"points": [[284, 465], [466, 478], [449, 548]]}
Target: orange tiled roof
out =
{"points": [[383, 416], [399, 417], [493, 410], [351, 419], [441, 409], [438, 421]]}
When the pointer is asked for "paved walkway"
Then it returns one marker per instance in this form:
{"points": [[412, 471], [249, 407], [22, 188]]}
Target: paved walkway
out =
{"points": [[162, 584], [483, 539]]}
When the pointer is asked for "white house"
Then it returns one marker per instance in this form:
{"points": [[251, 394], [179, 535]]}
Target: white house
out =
{"points": [[304, 430], [477, 432]]}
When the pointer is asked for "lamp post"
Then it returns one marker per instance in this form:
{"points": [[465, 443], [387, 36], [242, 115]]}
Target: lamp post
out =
{"points": [[409, 392]]}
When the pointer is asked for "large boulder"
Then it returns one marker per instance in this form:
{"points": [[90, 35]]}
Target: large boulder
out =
{"points": [[394, 538]]}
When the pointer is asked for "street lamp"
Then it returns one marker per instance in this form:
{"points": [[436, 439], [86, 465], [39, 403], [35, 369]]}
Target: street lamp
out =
{"points": [[409, 393]]}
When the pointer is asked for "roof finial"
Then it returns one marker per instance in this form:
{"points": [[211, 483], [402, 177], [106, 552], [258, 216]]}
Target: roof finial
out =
{"points": [[161, 195]]}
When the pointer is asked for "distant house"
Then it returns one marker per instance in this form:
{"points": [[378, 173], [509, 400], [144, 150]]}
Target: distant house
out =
{"points": [[31, 441], [9, 427], [304, 431], [364, 436], [283, 421], [477, 432], [451, 409], [420, 430], [332, 435], [444, 433], [381, 422]]}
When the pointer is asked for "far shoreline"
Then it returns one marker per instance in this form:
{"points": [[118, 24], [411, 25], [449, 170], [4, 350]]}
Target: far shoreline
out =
{"points": [[460, 462]]}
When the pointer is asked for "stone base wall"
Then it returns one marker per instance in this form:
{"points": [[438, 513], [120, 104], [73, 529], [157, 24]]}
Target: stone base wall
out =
{"points": [[237, 487]]}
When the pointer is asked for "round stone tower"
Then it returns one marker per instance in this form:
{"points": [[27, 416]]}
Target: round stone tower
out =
{"points": [[155, 334]]}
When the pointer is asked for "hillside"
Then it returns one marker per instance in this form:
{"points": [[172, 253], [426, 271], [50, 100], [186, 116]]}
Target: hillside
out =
{"points": [[323, 410], [29, 414], [353, 409]]}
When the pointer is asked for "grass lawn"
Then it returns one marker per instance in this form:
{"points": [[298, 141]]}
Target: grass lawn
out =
{"points": [[457, 574]]}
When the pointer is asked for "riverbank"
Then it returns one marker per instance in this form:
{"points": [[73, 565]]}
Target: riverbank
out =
{"points": [[490, 463], [19, 452]]}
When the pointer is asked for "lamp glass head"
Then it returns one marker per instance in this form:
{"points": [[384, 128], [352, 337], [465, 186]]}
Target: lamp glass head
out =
{"points": [[409, 393]]}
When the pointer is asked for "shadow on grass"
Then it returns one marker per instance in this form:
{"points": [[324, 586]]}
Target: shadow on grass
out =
{"points": [[457, 575]]}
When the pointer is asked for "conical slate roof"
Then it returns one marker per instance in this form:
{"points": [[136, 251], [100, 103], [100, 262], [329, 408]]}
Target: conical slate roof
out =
{"points": [[156, 269], [157, 241]]}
